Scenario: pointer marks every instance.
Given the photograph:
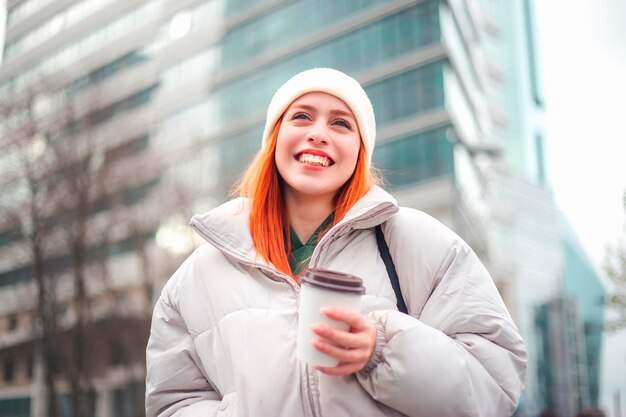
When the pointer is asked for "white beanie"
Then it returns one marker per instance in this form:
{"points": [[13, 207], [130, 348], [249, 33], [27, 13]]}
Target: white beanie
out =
{"points": [[331, 81]]}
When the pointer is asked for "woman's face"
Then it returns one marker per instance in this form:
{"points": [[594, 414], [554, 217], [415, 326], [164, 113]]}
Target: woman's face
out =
{"points": [[317, 146]]}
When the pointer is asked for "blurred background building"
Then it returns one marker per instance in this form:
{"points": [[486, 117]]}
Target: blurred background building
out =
{"points": [[171, 96]]}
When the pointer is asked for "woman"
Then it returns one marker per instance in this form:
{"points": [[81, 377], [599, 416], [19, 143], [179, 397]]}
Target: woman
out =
{"points": [[223, 339]]}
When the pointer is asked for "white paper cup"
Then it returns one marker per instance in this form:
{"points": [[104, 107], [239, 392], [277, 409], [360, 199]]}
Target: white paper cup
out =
{"points": [[324, 288]]}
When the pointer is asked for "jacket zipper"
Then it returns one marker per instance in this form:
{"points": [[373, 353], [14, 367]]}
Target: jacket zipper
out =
{"points": [[329, 238]]}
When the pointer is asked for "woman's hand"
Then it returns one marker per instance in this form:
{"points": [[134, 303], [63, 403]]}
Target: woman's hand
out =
{"points": [[352, 348]]}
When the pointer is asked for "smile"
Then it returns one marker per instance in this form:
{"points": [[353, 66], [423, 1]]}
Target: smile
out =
{"points": [[315, 160]]}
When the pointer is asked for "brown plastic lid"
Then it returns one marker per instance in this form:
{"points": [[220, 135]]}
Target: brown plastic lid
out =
{"points": [[333, 280]]}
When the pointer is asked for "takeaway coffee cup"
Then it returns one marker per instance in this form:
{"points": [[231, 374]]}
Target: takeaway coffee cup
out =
{"points": [[324, 288]]}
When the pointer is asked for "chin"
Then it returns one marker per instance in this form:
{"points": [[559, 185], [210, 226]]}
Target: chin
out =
{"points": [[309, 191]]}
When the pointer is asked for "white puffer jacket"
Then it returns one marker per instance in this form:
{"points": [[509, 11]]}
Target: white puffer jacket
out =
{"points": [[223, 337]]}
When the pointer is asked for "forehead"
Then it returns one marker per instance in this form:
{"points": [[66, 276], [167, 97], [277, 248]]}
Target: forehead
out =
{"points": [[318, 99]]}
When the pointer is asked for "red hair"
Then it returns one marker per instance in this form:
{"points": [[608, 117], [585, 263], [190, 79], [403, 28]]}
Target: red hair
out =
{"points": [[262, 185]]}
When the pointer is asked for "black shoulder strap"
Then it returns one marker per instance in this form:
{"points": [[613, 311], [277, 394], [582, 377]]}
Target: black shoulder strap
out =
{"points": [[391, 269]]}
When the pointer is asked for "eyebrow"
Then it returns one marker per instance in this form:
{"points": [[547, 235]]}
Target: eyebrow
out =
{"points": [[333, 112]]}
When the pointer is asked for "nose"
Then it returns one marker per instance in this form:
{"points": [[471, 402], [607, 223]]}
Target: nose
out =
{"points": [[318, 134]]}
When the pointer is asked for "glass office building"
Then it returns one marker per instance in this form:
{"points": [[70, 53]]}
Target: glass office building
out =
{"points": [[581, 282], [551, 272], [564, 380], [524, 214]]}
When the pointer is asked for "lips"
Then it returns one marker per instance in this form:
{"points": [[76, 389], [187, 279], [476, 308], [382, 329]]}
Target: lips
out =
{"points": [[314, 158]]}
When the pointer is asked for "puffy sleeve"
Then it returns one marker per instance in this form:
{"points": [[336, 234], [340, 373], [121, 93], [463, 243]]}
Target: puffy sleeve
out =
{"points": [[175, 384], [458, 353]]}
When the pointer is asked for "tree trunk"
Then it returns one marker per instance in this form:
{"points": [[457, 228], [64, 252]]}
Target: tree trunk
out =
{"points": [[79, 381], [47, 319]]}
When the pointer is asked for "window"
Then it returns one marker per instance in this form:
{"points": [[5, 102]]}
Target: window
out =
{"points": [[15, 276], [127, 61], [25, 9], [409, 93], [539, 150], [30, 367], [285, 25], [129, 244], [9, 236], [127, 149], [9, 370], [118, 354], [65, 402], [236, 152], [415, 158], [237, 7], [199, 65], [138, 193], [12, 322], [15, 407], [128, 400], [136, 100]]}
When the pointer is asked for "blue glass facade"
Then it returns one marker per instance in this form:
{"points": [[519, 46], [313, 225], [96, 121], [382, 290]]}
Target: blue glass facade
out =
{"points": [[563, 377], [415, 158], [581, 281], [286, 25], [15, 407]]}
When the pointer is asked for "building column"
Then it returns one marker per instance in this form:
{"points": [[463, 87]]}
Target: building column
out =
{"points": [[103, 400], [38, 396]]}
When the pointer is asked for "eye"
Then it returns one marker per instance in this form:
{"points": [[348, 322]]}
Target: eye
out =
{"points": [[301, 116], [342, 123]]}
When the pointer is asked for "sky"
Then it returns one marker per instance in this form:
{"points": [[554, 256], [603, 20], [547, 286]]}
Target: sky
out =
{"points": [[583, 48], [583, 44]]}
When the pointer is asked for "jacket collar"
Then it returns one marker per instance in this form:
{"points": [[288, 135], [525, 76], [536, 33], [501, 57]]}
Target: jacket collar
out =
{"points": [[226, 227]]}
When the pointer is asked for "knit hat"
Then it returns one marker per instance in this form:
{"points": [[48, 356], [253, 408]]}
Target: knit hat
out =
{"points": [[331, 81]]}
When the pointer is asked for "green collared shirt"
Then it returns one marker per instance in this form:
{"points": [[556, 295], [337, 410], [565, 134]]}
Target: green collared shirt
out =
{"points": [[301, 253]]}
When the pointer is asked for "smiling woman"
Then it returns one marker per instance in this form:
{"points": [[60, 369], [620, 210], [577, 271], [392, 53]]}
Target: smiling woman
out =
{"points": [[224, 331]]}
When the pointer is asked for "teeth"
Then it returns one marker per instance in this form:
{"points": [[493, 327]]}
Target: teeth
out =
{"points": [[314, 160]]}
